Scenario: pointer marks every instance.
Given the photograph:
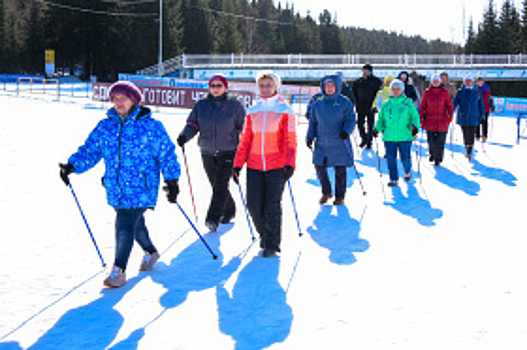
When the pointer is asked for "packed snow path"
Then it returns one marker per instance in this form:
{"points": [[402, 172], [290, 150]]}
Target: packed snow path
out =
{"points": [[437, 263]]}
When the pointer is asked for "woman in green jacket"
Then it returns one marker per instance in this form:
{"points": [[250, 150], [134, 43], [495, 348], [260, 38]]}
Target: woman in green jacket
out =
{"points": [[399, 122]]}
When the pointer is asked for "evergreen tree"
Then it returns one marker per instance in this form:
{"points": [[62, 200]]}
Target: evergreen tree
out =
{"points": [[488, 39], [2, 37], [34, 44], [523, 29], [330, 34], [471, 38], [509, 26]]}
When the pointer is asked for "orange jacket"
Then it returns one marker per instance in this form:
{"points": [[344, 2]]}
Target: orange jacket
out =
{"points": [[268, 140]]}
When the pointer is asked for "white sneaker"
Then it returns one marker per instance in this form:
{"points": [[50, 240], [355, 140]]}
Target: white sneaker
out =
{"points": [[148, 261], [116, 279]]}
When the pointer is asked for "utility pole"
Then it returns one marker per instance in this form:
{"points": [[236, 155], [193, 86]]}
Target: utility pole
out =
{"points": [[160, 58]]}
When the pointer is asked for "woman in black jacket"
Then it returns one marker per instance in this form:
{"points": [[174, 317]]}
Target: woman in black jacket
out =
{"points": [[218, 118]]}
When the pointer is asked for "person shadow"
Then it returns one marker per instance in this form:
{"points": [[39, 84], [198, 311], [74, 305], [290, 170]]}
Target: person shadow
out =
{"points": [[414, 206], [91, 326], [192, 270], [257, 315], [456, 181], [492, 173], [338, 233]]}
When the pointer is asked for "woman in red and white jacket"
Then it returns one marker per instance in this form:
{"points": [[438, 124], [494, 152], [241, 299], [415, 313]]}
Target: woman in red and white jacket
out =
{"points": [[268, 146]]}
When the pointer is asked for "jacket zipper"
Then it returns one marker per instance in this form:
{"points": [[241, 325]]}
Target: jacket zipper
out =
{"points": [[263, 138], [119, 162]]}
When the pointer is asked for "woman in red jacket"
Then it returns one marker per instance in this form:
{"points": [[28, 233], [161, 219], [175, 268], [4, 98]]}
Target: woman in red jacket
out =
{"points": [[268, 146], [436, 113]]}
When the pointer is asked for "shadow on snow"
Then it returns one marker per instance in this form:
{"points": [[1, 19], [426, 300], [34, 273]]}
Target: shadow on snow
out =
{"points": [[257, 315], [414, 206], [339, 233]]}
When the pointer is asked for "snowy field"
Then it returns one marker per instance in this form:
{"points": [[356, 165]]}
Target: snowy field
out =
{"points": [[438, 263]]}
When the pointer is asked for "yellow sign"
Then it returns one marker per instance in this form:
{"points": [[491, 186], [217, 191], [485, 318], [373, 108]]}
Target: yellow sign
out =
{"points": [[50, 56]]}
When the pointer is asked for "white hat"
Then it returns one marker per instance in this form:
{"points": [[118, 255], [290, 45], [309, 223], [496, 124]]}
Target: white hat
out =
{"points": [[467, 77], [270, 75], [397, 82], [435, 77]]}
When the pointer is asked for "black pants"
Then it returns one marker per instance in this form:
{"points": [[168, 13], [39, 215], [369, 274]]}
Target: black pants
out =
{"points": [[264, 201], [469, 135], [436, 144], [340, 180], [484, 126], [366, 135], [219, 170]]}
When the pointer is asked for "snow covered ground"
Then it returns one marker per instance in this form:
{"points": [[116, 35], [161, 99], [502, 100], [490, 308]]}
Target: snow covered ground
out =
{"points": [[438, 263]]}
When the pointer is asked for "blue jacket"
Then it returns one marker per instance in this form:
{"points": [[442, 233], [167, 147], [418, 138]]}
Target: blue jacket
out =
{"points": [[134, 153], [469, 105], [331, 115]]}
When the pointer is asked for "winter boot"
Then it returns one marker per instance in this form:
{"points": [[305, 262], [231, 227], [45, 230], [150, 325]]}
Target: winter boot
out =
{"points": [[407, 176], [116, 279], [149, 259], [225, 219], [338, 201], [393, 183], [469, 152], [325, 198], [268, 253], [211, 225]]}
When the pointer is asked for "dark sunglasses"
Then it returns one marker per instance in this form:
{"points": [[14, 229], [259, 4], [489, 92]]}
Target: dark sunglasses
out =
{"points": [[212, 86]]}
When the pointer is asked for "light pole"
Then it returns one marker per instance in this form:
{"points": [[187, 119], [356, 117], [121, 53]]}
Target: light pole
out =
{"points": [[160, 58]]}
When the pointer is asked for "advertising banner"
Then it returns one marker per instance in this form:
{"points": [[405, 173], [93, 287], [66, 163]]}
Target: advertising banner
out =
{"points": [[49, 61], [164, 96]]}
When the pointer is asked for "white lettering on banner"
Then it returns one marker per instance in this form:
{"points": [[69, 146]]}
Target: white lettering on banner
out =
{"points": [[198, 95]]}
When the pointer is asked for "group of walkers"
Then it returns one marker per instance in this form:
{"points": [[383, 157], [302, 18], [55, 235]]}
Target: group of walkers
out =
{"points": [[401, 113], [137, 149]]}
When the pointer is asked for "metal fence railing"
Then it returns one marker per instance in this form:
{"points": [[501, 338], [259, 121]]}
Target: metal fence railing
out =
{"points": [[302, 60]]}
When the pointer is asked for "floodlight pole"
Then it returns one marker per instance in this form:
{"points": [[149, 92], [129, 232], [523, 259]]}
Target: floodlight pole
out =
{"points": [[160, 58]]}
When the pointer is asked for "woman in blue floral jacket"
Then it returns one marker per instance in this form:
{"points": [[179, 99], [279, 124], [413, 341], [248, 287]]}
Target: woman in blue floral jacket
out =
{"points": [[136, 149]]}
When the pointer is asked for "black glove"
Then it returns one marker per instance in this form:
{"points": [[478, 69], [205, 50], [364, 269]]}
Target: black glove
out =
{"points": [[343, 135], [236, 175], [481, 120], [309, 143], [65, 171], [375, 133], [414, 130], [374, 110], [288, 172], [181, 140], [172, 190]]}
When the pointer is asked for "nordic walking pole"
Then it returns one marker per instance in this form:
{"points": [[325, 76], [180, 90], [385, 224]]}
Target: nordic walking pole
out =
{"points": [[354, 167], [360, 181], [452, 139], [189, 183], [86, 223], [418, 147], [294, 208], [246, 212], [214, 256]]}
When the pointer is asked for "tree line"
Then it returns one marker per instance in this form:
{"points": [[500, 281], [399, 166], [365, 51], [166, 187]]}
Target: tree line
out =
{"points": [[500, 32], [105, 37]]}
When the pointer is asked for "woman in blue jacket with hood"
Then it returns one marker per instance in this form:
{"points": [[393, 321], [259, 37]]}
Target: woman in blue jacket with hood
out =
{"points": [[470, 111], [136, 149], [330, 126]]}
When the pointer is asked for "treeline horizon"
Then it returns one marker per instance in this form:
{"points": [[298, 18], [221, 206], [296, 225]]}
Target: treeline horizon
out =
{"points": [[107, 37]]}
